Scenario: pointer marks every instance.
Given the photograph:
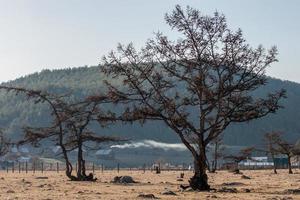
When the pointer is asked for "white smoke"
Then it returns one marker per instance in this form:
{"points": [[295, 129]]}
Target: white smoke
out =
{"points": [[151, 144]]}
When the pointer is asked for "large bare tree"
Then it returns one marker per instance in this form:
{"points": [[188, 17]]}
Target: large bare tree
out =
{"points": [[198, 84]]}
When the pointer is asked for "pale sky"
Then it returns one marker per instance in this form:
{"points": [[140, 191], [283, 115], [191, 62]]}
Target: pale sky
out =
{"points": [[52, 34]]}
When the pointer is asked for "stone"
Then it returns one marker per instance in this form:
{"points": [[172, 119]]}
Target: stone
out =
{"points": [[233, 184], [147, 196], [245, 177], [181, 175], [41, 177], [168, 192], [228, 190], [123, 179], [292, 191], [247, 190]]}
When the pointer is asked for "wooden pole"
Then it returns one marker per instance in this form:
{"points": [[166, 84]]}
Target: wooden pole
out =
{"points": [[13, 167], [118, 167], [26, 167], [19, 167], [93, 168], [42, 167], [33, 166], [159, 167], [102, 168], [57, 167]]}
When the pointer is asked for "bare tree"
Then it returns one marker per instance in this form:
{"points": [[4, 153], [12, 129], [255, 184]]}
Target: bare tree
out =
{"points": [[78, 117], [70, 127], [281, 146], [218, 152], [56, 131], [4, 143], [241, 156], [198, 85], [270, 139]]}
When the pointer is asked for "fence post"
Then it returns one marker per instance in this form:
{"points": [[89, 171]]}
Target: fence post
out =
{"points": [[93, 168], [13, 167], [26, 167], [102, 168], [19, 167], [33, 166], [118, 167], [42, 167], [57, 167], [144, 168], [6, 166], [159, 167]]}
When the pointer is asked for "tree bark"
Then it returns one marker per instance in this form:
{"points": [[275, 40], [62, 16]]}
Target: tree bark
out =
{"points": [[200, 180]]}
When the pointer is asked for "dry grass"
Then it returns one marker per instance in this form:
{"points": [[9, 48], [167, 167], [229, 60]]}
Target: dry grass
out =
{"points": [[262, 185]]}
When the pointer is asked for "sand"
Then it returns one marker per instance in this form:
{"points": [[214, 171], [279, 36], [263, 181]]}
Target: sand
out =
{"points": [[262, 185]]}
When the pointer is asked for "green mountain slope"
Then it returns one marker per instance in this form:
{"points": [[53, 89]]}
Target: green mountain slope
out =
{"points": [[15, 111]]}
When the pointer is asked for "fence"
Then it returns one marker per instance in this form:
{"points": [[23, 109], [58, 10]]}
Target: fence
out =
{"points": [[42, 167]]}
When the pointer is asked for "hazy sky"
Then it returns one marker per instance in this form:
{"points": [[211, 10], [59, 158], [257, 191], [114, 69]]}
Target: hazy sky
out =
{"points": [[40, 34]]}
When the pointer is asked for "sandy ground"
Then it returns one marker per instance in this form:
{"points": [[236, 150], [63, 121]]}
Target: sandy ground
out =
{"points": [[262, 185]]}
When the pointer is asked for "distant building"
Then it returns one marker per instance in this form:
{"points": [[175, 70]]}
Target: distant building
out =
{"points": [[257, 161], [281, 161]]}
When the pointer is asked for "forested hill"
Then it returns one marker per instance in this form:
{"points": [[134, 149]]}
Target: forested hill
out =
{"points": [[16, 112]]}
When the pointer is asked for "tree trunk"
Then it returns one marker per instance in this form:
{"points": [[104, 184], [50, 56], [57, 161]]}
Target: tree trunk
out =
{"points": [[69, 167], [289, 164], [200, 180], [215, 163], [274, 165], [208, 166], [81, 171], [79, 161]]}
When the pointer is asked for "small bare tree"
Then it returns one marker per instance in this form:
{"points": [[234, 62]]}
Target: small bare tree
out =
{"points": [[4, 144], [70, 126], [281, 146], [270, 139], [197, 85], [241, 156], [77, 118], [218, 152]]}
